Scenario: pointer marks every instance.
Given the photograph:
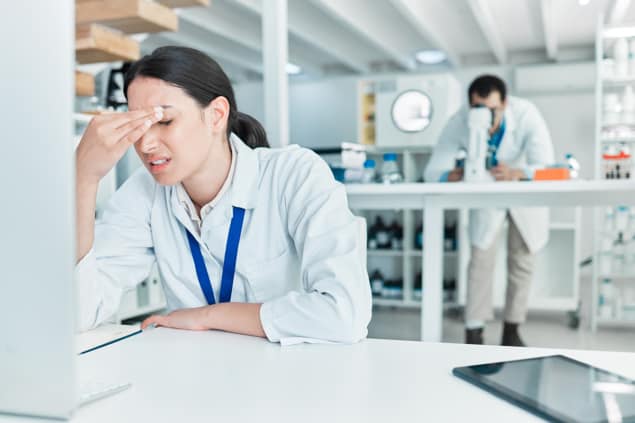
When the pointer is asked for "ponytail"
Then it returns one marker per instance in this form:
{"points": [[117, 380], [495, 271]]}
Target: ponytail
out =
{"points": [[249, 130]]}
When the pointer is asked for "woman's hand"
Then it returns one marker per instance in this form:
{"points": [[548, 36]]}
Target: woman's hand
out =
{"points": [[186, 318], [107, 138], [502, 172]]}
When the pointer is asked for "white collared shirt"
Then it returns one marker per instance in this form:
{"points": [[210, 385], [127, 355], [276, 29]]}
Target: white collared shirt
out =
{"points": [[300, 254], [188, 204]]}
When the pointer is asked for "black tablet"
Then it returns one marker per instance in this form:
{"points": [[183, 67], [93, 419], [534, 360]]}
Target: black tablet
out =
{"points": [[557, 388]]}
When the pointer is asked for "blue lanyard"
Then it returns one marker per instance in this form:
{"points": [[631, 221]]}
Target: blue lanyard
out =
{"points": [[229, 265]]}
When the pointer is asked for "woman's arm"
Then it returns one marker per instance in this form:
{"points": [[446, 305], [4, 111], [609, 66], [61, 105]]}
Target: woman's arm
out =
{"points": [[243, 318]]}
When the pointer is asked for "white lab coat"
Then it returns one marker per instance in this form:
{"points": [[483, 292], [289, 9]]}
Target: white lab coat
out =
{"points": [[526, 144], [299, 252]]}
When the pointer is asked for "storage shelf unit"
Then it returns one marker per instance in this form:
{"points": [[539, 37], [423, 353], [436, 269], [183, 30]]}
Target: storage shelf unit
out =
{"points": [[607, 82]]}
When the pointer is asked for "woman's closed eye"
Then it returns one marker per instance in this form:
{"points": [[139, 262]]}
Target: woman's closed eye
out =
{"points": [[165, 122]]}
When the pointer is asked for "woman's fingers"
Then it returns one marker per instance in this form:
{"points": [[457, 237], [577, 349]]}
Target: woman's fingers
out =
{"points": [[156, 320], [114, 121], [133, 130]]}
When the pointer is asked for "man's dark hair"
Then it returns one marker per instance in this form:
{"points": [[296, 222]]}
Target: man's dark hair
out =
{"points": [[484, 85]]}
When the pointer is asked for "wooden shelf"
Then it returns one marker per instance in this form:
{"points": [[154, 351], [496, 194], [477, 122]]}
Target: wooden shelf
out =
{"points": [[95, 43], [128, 16], [84, 84], [183, 3]]}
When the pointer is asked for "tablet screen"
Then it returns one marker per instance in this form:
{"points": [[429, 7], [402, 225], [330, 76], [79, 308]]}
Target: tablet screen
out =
{"points": [[558, 388]]}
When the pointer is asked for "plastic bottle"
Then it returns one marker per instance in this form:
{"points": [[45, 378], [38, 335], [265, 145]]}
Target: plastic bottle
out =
{"points": [[382, 233], [396, 239], [369, 174], [605, 308], [390, 170], [377, 283], [620, 53], [573, 165], [419, 237]]}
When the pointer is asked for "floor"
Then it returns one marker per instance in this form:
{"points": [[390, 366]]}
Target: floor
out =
{"points": [[541, 330]]}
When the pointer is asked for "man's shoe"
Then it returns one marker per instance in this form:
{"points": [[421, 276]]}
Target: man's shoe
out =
{"points": [[474, 336], [511, 338]]}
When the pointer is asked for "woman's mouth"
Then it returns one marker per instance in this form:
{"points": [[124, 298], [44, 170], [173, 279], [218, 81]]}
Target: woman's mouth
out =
{"points": [[159, 165]]}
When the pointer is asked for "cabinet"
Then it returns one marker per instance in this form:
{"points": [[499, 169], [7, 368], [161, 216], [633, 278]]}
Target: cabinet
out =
{"points": [[613, 277]]}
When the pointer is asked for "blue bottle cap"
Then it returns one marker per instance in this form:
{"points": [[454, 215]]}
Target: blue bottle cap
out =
{"points": [[390, 156], [369, 163]]}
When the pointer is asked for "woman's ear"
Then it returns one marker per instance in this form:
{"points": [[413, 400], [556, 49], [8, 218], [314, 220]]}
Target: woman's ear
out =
{"points": [[217, 114]]}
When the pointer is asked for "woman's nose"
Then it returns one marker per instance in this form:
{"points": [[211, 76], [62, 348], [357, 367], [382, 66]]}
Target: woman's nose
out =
{"points": [[149, 142]]}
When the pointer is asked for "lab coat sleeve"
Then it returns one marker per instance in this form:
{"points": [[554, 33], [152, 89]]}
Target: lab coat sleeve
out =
{"points": [[122, 254], [538, 145], [444, 153], [336, 303]]}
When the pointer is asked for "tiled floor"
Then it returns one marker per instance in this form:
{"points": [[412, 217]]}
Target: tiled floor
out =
{"points": [[541, 330]]}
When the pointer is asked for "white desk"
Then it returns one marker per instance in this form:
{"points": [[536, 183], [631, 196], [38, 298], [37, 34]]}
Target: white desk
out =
{"points": [[434, 198], [182, 376]]}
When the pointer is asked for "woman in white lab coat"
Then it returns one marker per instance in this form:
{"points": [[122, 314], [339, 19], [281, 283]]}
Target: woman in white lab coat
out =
{"points": [[247, 239]]}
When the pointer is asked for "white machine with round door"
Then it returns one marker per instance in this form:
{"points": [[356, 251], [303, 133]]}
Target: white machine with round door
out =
{"points": [[412, 110]]}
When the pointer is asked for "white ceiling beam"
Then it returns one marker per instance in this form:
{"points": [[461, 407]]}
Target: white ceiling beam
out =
{"points": [[212, 50], [414, 11], [324, 35], [488, 25], [359, 16], [617, 11], [231, 27], [225, 26], [549, 27]]}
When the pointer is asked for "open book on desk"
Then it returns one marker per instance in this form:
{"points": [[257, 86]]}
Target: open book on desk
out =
{"points": [[104, 335]]}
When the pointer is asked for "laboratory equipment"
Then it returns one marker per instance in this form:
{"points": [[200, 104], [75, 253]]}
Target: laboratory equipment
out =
{"points": [[390, 173], [479, 123], [368, 174]]}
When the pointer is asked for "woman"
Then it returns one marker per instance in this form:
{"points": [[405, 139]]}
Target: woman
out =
{"points": [[268, 229]]}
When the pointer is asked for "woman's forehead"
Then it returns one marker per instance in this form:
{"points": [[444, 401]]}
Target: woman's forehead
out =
{"points": [[149, 92]]}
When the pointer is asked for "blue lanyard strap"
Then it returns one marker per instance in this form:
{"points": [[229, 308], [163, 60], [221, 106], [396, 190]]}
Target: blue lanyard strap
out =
{"points": [[229, 264]]}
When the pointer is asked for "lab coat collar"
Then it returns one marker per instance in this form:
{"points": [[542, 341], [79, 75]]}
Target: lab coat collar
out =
{"points": [[244, 188], [510, 121]]}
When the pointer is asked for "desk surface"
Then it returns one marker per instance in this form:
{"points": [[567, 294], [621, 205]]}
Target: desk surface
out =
{"points": [[202, 376], [492, 194]]}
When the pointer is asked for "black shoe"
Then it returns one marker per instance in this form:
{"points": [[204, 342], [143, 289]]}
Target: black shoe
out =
{"points": [[511, 338], [474, 336]]}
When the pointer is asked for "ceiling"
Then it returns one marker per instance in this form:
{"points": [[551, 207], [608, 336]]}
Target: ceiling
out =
{"points": [[347, 37]]}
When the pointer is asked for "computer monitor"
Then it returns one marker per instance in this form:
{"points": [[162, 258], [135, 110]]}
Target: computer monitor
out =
{"points": [[37, 214]]}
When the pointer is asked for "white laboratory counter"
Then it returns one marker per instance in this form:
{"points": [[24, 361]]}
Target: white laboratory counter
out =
{"points": [[434, 198], [184, 376]]}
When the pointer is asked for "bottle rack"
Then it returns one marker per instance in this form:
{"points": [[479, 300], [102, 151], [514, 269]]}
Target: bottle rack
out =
{"points": [[613, 277]]}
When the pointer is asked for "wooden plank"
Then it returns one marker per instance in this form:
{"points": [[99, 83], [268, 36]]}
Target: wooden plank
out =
{"points": [[127, 16], [84, 84], [183, 3], [95, 43]]}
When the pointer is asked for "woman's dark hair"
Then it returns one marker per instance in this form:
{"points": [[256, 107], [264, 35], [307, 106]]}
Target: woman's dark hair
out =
{"points": [[484, 85], [203, 80]]}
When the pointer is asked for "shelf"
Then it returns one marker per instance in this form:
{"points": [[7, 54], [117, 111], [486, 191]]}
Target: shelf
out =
{"points": [[183, 3], [96, 43], [385, 302], [612, 321], [619, 139], [385, 253], [618, 80], [84, 84], [420, 149], [399, 253], [128, 16], [620, 277], [561, 226]]}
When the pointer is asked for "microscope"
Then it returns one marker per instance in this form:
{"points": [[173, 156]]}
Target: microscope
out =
{"points": [[479, 122]]}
